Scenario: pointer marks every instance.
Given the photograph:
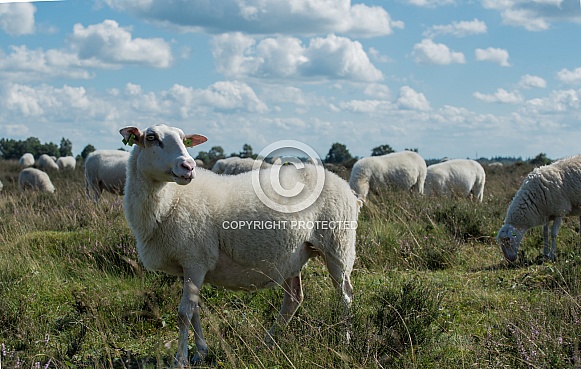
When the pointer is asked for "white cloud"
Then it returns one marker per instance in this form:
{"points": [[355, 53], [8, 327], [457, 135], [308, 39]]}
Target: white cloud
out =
{"points": [[23, 64], [535, 15], [47, 102], [561, 101], [429, 52], [109, 43], [17, 19], [376, 55], [500, 96], [409, 99], [528, 81], [430, 3], [524, 18], [105, 45], [458, 29], [377, 90], [363, 106], [570, 77], [333, 57], [305, 17], [494, 55]]}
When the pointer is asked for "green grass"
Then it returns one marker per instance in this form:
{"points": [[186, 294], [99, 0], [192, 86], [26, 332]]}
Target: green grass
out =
{"points": [[432, 290]]}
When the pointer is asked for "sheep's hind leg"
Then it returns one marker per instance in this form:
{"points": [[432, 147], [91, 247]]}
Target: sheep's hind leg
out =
{"points": [[340, 276], [189, 312], [293, 297], [546, 239]]}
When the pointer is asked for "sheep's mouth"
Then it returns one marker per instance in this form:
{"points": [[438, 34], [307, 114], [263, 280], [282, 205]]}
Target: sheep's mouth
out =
{"points": [[183, 180]]}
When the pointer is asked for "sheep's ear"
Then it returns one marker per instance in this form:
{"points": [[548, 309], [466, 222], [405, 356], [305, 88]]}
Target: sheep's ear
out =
{"points": [[194, 140], [131, 135]]}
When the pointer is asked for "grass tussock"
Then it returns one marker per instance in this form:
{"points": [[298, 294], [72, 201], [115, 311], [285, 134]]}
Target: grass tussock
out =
{"points": [[431, 290]]}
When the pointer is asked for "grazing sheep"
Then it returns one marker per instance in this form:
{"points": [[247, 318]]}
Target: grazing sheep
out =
{"points": [[404, 170], [547, 194], [199, 163], [26, 160], [220, 164], [47, 163], [66, 163], [456, 177], [240, 165], [195, 226], [105, 170], [35, 179], [496, 164]]}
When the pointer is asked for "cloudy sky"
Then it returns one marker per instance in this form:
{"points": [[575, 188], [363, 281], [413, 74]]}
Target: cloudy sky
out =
{"points": [[451, 78]]}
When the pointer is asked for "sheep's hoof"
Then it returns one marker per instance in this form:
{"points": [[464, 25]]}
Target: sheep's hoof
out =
{"points": [[179, 362], [197, 359]]}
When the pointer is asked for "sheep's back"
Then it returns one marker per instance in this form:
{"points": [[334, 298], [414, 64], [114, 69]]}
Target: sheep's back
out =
{"points": [[35, 179], [549, 191]]}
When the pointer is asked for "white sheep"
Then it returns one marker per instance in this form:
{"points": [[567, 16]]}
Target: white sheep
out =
{"points": [[199, 163], [46, 163], [26, 160], [495, 164], [66, 163], [240, 165], [547, 194], [105, 170], [35, 179], [404, 170], [1, 185], [220, 164], [209, 231], [456, 177]]}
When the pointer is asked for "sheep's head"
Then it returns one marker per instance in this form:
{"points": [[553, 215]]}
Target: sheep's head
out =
{"points": [[162, 152], [509, 238]]}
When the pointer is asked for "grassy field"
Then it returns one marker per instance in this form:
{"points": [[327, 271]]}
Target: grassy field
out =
{"points": [[431, 291]]}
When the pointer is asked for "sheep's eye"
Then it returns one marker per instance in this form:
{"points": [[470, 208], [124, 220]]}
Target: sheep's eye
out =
{"points": [[150, 137]]}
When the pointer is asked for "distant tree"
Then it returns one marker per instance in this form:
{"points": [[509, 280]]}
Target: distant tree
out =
{"points": [[87, 150], [66, 148], [203, 156], [381, 150], [246, 151], [216, 152], [50, 149], [541, 159], [337, 154], [12, 149], [412, 150], [31, 145]]}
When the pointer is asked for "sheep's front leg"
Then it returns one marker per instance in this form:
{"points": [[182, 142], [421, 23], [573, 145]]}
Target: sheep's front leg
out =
{"points": [[293, 297], [554, 232], [189, 311]]}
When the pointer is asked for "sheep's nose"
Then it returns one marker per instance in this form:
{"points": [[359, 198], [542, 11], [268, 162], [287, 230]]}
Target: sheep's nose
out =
{"points": [[187, 166]]}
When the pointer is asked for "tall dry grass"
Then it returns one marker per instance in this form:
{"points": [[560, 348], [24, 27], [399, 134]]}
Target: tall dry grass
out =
{"points": [[431, 291]]}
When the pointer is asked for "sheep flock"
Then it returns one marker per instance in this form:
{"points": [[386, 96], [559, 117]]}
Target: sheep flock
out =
{"points": [[186, 219]]}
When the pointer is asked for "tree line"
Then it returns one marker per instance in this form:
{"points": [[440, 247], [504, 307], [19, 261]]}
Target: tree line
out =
{"points": [[337, 154]]}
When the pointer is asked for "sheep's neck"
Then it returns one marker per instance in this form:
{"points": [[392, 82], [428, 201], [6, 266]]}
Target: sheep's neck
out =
{"points": [[152, 203]]}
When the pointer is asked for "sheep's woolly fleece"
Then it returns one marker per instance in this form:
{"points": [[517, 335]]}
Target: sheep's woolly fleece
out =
{"points": [[35, 179], [105, 171], [404, 170], [548, 193], [178, 219], [456, 177]]}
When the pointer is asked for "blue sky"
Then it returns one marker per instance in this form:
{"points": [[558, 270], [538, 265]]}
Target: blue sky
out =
{"points": [[458, 79]]}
